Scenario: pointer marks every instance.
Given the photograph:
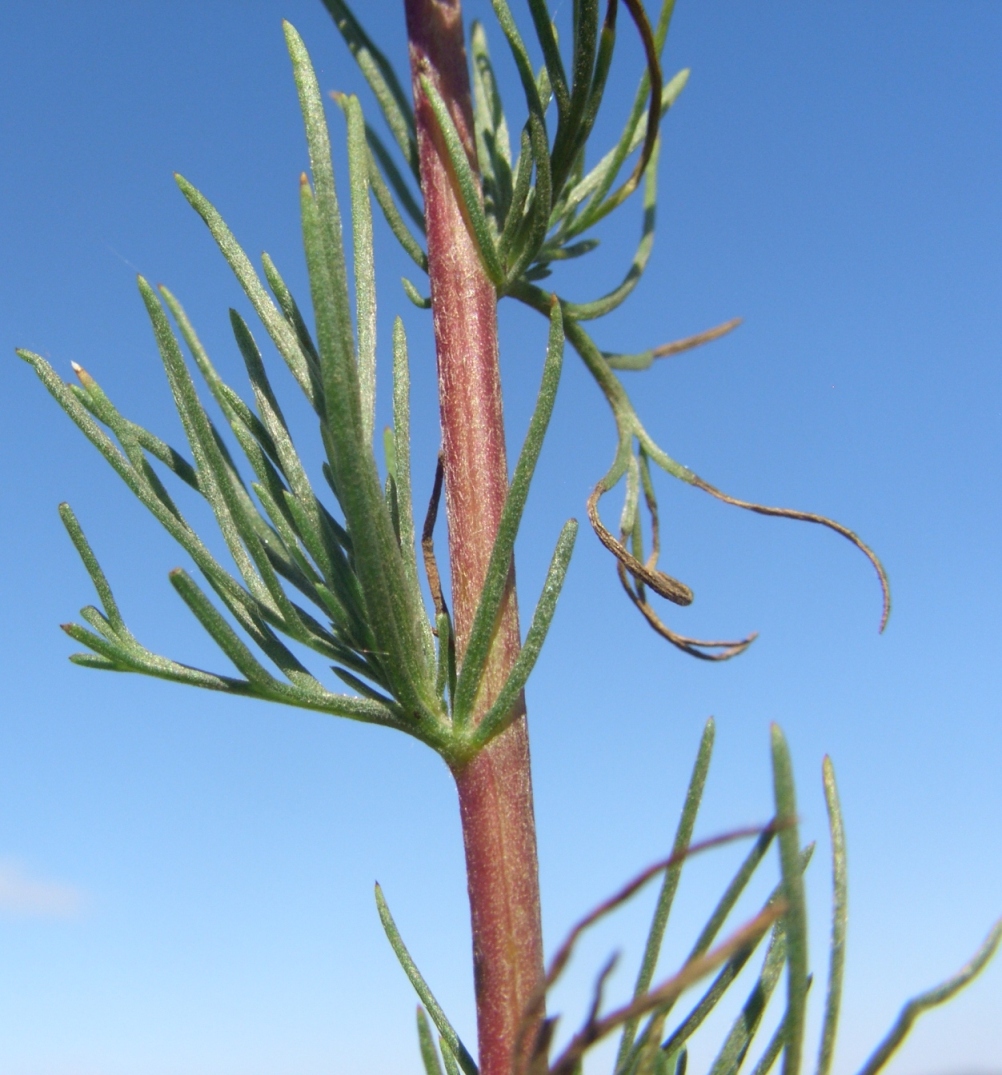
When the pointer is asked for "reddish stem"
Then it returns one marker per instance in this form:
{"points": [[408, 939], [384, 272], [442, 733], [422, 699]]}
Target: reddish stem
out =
{"points": [[495, 789]]}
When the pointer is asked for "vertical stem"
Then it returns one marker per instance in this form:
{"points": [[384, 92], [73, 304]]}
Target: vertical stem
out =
{"points": [[495, 789]]}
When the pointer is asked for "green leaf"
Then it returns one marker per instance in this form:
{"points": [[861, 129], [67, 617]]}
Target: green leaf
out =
{"points": [[520, 194], [293, 315], [330, 244], [588, 311], [840, 917], [391, 606], [515, 238], [499, 565], [365, 273], [771, 1054], [225, 637], [775, 1046], [931, 999], [491, 127], [795, 916], [468, 187], [214, 475], [451, 1066], [551, 54], [301, 504], [732, 894], [744, 1028], [429, 1056], [278, 328], [138, 482], [501, 713], [445, 668], [382, 79], [452, 1040], [384, 166], [633, 133], [600, 74], [726, 977], [117, 658], [90, 562], [568, 142], [134, 440], [252, 542], [402, 475], [414, 295], [604, 173], [384, 198], [246, 426], [683, 837]]}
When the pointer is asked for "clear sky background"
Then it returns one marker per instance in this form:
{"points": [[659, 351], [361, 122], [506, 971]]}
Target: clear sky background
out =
{"points": [[186, 879]]}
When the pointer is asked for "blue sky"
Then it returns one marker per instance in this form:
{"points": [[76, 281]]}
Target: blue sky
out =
{"points": [[186, 880]]}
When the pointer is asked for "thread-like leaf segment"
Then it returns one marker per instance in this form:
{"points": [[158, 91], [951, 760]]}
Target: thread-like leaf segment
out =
{"points": [[662, 910], [392, 606], [795, 915], [499, 565], [434, 1009], [840, 920], [932, 998]]}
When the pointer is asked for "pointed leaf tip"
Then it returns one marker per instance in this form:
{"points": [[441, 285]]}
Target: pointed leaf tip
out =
{"points": [[82, 375]]}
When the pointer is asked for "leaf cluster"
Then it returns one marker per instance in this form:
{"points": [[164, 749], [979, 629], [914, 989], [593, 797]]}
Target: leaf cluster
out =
{"points": [[530, 210], [341, 582], [651, 1042]]}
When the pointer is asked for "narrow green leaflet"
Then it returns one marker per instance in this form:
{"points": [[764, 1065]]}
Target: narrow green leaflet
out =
{"points": [[97, 575], [547, 38], [451, 1065], [419, 300], [452, 1040], [402, 472], [497, 718], [776, 1043], [746, 1025], [840, 918], [429, 1056], [683, 837], [493, 146], [340, 338], [795, 915], [390, 604], [730, 971], [119, 650], [603, 175], [499, 566], [393, 608], [588, 311], [383, 163], [365, 273], [278, 328], [467, 184], [931, 999], [382, 79]]}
